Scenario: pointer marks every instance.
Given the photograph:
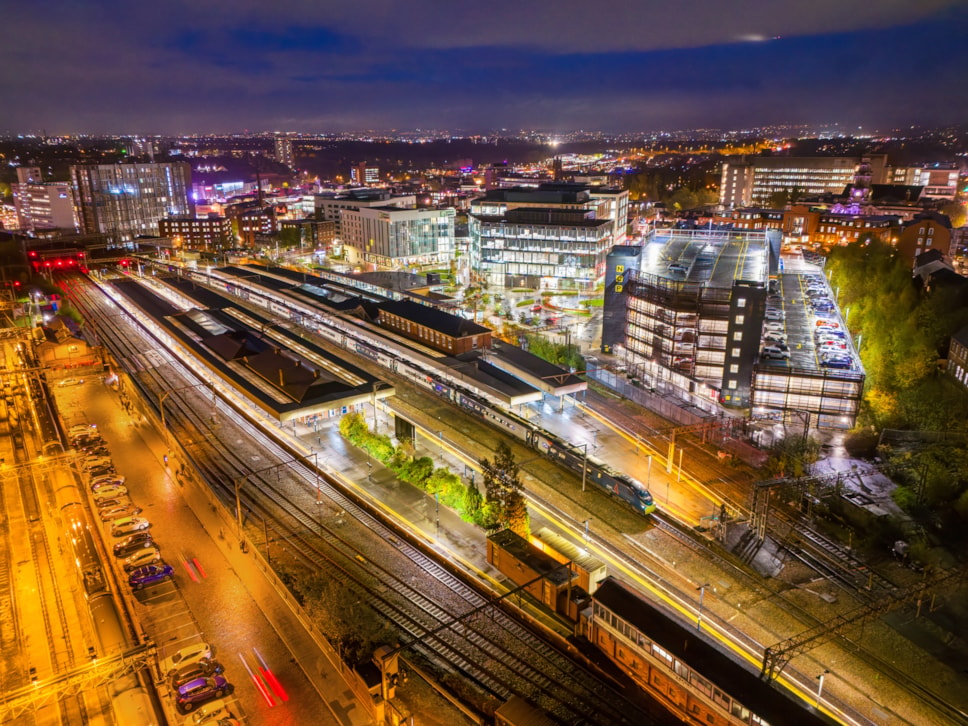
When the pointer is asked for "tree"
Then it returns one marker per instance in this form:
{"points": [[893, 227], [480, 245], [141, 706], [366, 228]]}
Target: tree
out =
{"points": [[502, 483], [683, 198], [778, 199], [955, 211]]}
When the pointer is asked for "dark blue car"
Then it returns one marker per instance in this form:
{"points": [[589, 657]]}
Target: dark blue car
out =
{"points": [[149, 575], [837, 361], [199, 691]]}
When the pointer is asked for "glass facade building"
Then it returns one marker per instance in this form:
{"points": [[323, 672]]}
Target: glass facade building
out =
{"points": [[125, 201]]}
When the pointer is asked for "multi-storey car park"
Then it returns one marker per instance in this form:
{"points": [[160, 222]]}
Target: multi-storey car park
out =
{"points": [[717, 319]]}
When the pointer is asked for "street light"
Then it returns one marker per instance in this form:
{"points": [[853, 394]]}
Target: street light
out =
{"points": [[702, 591], [820, 686]]}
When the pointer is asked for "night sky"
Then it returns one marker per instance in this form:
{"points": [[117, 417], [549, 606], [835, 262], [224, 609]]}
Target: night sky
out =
{"points": [[101, 66]]}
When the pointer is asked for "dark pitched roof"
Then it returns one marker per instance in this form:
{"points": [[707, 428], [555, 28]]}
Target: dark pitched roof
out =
{"points": [[451, 325], [895, 193], [961, 336], [929, 216]]}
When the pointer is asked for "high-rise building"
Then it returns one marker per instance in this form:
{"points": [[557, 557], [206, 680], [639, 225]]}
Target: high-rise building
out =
{"points": [[753, 181], [364, 173], [284, 150], [399, 238], [44, 206], [129, 200], [29, 175]]}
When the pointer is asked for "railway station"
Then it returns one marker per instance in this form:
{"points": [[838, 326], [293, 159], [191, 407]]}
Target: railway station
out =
{"points": [[274, 368]]}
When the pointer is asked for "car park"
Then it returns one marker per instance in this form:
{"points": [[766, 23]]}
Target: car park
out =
{"points": [[132, 543], [129, 525], [198, 669], [212, 713], [196, 692], [141, 558], [188, 654], [150, 575], [110, 514], [775, 353], [109, 492]]}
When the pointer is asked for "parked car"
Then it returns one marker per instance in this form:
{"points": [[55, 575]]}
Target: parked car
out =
{"points": [[536, 308], [132, 543], [831, 345], [827, 324], [150, 575], [774, 315], [110, 492], [773, 337], [213, 713], [188, 654], [95, 462], [146, 556], [190, 671], [121, 500], [129, 525], [110, 514], [196, 692], [95, 448], [64, 382], [106, 481], [102, 470], [842, 362], [773, 352]]}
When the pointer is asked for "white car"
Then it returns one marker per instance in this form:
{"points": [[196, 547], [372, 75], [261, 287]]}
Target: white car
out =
{"points": [[110, 492], [209, 713], [148, 556], [188, 654], [63, 382], [128, 525]]}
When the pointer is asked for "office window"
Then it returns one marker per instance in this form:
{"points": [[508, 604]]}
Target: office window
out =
{"points": [[731, 385], [740, 319], [741, 302], [738, 335], [734, 353], [734, 368]]}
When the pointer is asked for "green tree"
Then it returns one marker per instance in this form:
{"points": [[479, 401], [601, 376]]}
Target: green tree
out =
{"points": [[956, 212], [778, 199], [502, 482], [683, 198]]}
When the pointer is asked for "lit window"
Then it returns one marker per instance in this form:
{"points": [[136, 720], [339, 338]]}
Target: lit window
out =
{"points": [[740, 319], [734, 353], [732, 384], [741, 302], [734, 368], [738, 335]]}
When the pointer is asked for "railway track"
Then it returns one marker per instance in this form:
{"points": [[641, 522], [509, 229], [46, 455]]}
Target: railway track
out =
{"points": [[427, 604]]}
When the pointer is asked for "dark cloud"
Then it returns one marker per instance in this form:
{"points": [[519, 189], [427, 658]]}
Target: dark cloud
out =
{"points": [[626, 64]]}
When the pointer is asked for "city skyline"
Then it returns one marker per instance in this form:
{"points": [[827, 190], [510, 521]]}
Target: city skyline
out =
{"points": [[639, 66]]}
